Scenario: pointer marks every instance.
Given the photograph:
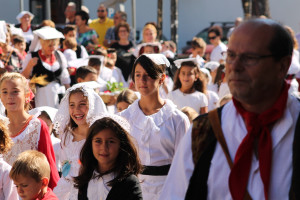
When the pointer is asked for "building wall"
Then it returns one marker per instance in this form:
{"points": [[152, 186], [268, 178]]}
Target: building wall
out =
{"points": [[193, 15]]}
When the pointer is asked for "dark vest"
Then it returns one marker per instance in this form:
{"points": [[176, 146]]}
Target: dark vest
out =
{"points": [[203, 148], [40, 70]]}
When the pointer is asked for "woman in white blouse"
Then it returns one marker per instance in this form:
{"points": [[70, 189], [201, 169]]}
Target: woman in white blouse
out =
{"points": [[156, 123]]}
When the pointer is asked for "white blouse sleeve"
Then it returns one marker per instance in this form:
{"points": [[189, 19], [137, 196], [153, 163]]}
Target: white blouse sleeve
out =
{"points": [[7, 188], [181, 169]]}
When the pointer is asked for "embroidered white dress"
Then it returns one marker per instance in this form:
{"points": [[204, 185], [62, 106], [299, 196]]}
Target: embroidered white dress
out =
{"points": [[27, 140], [157, 137], [195, 100], [7, 187], [98, 188], [70, 152]]}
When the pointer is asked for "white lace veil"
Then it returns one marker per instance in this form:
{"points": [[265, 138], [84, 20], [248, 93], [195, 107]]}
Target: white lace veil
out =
{"points": [[117, 118], [96, 107]]}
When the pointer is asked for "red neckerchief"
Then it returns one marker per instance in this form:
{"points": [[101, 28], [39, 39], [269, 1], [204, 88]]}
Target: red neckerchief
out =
{"points": [[27, 28], [258, 126], [47, 60]]}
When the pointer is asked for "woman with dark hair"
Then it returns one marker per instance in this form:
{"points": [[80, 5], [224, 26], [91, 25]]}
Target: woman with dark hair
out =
{"points": [[86, 36], [156, 123], [109, 162]]}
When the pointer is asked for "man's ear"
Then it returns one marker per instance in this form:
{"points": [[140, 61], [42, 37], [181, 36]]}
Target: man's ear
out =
{"points": [[285, 64]]}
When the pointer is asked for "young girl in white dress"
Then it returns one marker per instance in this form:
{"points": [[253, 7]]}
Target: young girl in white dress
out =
{"points": [[26, 131], [80, 104], [109, 162], [7, 187], [188, 87], [156, 123]]}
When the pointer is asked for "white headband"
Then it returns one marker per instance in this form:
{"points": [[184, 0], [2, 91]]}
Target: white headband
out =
{"points": [[158, 59], [180, 61]]}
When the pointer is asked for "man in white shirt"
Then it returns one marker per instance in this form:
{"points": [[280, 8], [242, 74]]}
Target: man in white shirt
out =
{"points": [[214, 35], [258, 126]]}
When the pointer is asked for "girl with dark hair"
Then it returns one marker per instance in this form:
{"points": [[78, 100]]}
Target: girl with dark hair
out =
{"points": [[156, 123], [109, 162], [76, 111], [189, 87]]}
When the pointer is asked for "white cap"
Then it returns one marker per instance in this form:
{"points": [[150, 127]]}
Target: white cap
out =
{"points": [[48, 33], [3, 31], [212, 65], [21, 14], [49, 110], [16, 31], [207, 73], [180, 61], [84, 61], [158, 59]]}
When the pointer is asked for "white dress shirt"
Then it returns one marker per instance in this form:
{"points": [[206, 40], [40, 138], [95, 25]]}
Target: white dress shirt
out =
{"points": [[234, 131]]}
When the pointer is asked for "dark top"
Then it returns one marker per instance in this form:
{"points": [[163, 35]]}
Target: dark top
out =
{"points": [[128, 189], [121, 49], [40, 70]]}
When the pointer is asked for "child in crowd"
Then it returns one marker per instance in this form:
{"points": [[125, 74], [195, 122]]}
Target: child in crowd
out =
{"points": [[85, 74], [125, 99], [20, 44], [156, 123], [198, 50], [31, 174], [77, 108], [188, 87], [27, 131], [116, 75], [7, 188], [190, 113], [109, 162], [47, 114], [212, 97], [95, 62], [70, 46], [69, 31]]}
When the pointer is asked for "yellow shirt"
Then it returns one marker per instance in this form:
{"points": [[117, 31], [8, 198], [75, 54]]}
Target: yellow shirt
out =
{"points": [[101, 28]]}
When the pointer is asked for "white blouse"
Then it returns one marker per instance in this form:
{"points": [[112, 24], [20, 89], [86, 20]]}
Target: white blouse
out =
{"points": [[195, 100], [70, 151], [157, 138], [7, 187], [98, 188], [157, 135]]}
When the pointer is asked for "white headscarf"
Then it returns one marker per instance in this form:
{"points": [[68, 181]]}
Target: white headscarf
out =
{"points": [[96, 107]]}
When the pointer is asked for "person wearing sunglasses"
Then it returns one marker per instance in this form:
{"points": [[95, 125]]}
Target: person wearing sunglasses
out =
{"points": [[214, 35], [102, 24]]}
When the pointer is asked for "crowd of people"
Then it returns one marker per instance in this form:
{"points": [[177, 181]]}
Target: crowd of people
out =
{"points": [[85, 113]]}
